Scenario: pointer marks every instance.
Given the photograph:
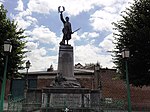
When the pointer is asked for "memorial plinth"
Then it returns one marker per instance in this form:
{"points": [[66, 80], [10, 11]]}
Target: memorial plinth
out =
{"points": [[65, 76], [66, 62]]}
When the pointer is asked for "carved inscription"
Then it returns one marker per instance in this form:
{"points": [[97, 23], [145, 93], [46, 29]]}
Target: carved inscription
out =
{"points": [[69, 100]]}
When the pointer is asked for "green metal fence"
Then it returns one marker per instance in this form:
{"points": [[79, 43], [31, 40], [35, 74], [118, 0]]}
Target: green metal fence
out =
{"points": [[18, 104], [15, 104]]}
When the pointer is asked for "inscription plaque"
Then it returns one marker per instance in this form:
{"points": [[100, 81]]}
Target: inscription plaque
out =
{"points": [[69, 100]]}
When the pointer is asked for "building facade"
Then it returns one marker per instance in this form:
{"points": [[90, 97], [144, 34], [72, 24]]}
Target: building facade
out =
{"points": [[105, 79]]}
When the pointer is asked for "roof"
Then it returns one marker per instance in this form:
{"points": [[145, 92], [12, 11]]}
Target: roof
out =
{"points": [[54, 72], [83, 71], [76, 71]]}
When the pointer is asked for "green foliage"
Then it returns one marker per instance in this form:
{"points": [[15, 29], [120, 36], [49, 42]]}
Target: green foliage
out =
{"points": [[9, 30], [134, 33]]}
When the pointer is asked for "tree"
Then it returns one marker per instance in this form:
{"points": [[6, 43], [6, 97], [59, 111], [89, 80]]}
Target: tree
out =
{"points": [[134, 34], [9, 30]]}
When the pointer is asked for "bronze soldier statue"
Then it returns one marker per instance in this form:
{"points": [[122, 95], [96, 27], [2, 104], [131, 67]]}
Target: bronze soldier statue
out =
{"points": [[67, 30]]}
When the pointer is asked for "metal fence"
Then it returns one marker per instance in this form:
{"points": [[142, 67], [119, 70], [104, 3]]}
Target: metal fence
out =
{"points": [[15, 104], [19, 104]]}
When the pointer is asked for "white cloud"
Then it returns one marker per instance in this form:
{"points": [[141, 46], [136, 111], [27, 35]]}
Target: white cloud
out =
{"points": [[39, 59], [85, 36], [107, 43], [106, 2], [91, 54], [108, 13], [44, 35], [24, 13], [72, 7], [32, 45], [20, 5], [1, 2], [110, 9], [102, 19], [29, 18], [39, 6], [89, 35], [75, 36], [93, 34], [22, 23], [24, 19]]}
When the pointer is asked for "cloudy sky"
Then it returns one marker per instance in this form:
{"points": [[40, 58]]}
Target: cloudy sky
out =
{"points": [[40, 19]]}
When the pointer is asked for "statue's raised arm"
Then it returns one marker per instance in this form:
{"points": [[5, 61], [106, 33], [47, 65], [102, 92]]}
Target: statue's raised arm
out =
{"points": [[62, 18]]}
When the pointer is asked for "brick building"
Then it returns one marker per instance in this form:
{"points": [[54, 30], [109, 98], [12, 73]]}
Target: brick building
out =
{"points": [[93, 78]]}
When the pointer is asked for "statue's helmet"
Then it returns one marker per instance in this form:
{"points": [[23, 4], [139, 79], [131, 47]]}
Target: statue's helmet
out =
{"points": [[67, 18]]}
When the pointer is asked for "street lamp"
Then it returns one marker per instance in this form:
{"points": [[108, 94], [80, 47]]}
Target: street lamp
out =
{"points": [[125, 54], [7, 50], [28, 64]]}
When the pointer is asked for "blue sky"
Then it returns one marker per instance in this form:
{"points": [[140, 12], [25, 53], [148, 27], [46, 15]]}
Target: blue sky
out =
{"points": [[40, 19]]}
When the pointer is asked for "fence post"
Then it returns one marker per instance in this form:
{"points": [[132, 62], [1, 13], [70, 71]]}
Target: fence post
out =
{"points": [[9, 100]]}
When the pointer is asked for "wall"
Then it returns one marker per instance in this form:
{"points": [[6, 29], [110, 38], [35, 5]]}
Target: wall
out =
{"points": [[111, 87], [116, 89], [7, 89]]}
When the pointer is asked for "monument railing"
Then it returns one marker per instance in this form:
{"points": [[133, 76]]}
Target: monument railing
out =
{"points": [[15, 104], [18, 104]]}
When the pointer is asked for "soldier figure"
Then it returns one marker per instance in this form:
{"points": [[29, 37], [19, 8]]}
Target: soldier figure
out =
{"points": [[67, 30]]}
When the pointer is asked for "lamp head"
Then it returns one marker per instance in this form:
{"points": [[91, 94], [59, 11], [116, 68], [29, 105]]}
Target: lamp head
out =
{"points": [[28, 64], [125, 53], [7, 46]]}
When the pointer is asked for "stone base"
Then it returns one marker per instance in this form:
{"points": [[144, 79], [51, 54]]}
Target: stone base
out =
{"points": [[66, 97]]}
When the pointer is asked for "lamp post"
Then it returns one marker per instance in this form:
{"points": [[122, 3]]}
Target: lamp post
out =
{"points": [[28, 64], [125, 55], [97, 79], [7, 50]]}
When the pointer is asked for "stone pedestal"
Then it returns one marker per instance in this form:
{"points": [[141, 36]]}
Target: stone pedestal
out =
{"points": [[66, 62], [65, 76]]}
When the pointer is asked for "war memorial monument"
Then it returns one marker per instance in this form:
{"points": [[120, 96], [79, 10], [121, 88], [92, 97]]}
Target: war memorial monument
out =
{"points": [[65, 93]]}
